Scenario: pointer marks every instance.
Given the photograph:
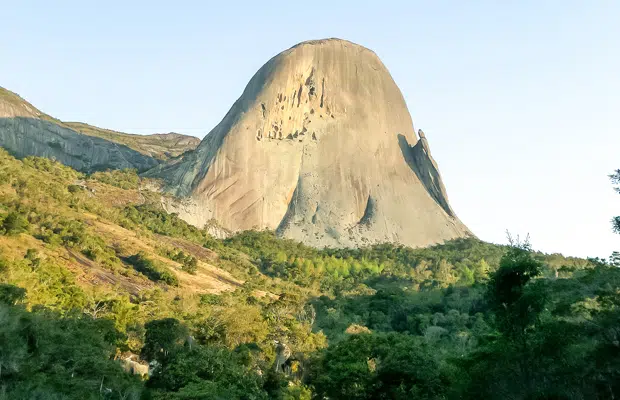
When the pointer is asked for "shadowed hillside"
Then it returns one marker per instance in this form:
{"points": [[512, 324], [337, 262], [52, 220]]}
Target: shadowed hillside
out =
{"points": [[161, 146], [26, 131]]}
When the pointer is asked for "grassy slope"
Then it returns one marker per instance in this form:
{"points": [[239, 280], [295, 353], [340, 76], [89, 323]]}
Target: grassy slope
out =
{"points": [[45, 192], [16, 101], [43, 188]]}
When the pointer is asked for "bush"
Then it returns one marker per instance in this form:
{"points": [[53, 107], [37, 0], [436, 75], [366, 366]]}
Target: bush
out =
{"points": [[190, 265], [124, 179], [75, 189], [156, 273], [15, 223], [188, 262], [159, 221], [53, 167], [11, 295]]}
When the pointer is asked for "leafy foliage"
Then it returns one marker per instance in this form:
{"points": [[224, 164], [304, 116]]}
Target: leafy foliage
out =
{"points": [[188, 262], [10, 294], [14, 223], [464, 319], [392, 366], [158, 221], [152, 270], [44, 356], [124, 179]]}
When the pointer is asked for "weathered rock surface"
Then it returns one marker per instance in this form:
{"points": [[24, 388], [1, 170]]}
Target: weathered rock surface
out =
{"points": [[321, 148], [26, 131], [161, 146]]}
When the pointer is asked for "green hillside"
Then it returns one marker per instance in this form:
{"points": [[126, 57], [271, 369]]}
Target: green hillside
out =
{"points": [[93, 271]]}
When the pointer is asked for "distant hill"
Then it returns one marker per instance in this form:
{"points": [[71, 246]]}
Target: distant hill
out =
{"points": [[161, 146], [27, 131]]}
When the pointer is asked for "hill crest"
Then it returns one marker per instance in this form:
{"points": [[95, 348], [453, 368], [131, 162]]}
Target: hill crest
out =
{"points": [[27, 131]]}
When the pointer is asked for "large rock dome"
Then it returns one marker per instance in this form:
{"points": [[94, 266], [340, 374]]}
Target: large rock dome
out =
{"points": [[321, 148]]}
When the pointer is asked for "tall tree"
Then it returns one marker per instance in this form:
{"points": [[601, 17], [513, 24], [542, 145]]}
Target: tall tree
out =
{"points": [[163, 339], [515, 309], [615, 180]]}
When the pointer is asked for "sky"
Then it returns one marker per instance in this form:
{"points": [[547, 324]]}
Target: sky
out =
{"points": [[520, 101]]}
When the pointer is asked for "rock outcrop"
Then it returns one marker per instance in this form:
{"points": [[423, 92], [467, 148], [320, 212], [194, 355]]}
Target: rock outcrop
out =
{"points": [[161, 146], [26, 131], [321, 148], [132, 364], [425, 167]]}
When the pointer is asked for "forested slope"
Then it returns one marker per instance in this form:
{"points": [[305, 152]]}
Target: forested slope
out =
{"points": [[96, 279]]}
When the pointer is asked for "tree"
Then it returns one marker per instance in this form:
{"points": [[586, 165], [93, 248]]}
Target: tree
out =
{"points": [[11, 295], [614, 259], [369, 366], [615, 179], [346, 370], [190, 264], [46, 356], [443, 273], [208, 372], [163, 338], [481, 270], [514, 308], [519, 358], [14, 223]]}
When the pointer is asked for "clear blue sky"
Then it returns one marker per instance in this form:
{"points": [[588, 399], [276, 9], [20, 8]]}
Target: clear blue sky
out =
{"points": [[520, 100]]}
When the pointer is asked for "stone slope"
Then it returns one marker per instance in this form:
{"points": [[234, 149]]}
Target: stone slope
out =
{"points": [[25, 131], [162, 146], [321, 148]]}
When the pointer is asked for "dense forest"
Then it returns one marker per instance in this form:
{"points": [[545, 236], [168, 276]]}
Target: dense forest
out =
{"points": [[104, 295]]}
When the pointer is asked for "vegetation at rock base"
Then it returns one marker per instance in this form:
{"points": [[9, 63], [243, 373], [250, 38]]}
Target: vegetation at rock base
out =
{"points": [[93, 271], [124, 179]]}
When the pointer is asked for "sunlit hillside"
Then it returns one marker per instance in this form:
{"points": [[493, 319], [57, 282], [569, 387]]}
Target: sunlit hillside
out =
{"points": [[97, 280]]}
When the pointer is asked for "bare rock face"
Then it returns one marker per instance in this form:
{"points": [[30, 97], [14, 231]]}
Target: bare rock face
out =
{"points": [[26, 131], [321, 148], [161, 146]]}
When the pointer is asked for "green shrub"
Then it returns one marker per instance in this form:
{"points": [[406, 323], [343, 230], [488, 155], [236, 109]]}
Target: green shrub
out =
{"points": [[151, 270], [159, 221], [190, 265], [124, 179], [188, 262], [10, 294], [15, 223], [51, 166], [32, 256], [75, 189]]}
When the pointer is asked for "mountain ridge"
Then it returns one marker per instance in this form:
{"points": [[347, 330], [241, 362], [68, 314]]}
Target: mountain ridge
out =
{"points": [[27, 131]]}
